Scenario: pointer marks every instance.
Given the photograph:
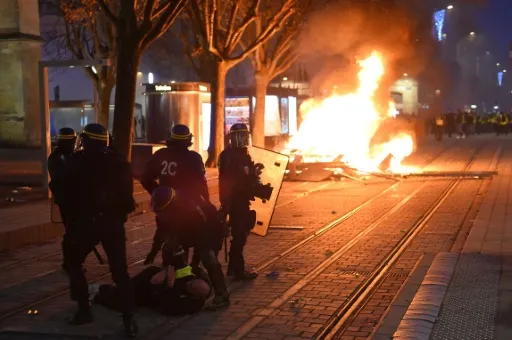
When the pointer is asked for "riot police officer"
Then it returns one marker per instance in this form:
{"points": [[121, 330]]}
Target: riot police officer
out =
{"points": [[57, 162], [236, 176], [99, 194], [183, 224], [181, 170], [66, 140]]}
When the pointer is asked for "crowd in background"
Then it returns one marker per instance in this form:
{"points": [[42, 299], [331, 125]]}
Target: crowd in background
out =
{"points": [[462, 124]]}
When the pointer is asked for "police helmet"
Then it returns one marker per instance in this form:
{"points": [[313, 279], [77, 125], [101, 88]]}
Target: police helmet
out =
{"points": [[161, 198], [239, 136], [66, 138], [94, 137], [180, 135]]}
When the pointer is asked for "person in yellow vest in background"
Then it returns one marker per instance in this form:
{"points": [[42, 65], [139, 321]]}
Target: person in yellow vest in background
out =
{"points": [[502, 128], [493, 121], [439, 127]]}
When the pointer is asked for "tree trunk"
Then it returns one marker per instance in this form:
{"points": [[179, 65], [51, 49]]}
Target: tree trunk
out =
{"points": [[127, 67], [104, 94], [217, 114], [258, 119]]}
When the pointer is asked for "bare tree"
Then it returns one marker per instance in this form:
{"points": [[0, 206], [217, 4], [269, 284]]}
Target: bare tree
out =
{"points": [[219, 26], [138, 24], [90, 35], [273, 57], [203, 63]]}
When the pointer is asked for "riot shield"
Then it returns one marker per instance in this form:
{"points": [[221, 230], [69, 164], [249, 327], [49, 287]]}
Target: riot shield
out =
{"points": [[55, 212], [273, 173]]}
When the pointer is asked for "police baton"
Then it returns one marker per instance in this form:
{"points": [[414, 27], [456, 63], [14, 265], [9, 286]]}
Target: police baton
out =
{"points": [[98, 255]]}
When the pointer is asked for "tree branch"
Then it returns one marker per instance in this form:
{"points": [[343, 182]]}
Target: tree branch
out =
{"points": [[70, 43], [282, 45], [165, 21], [252, 13], [231, 25], [284, 64], [274, 25], [159, 10], [146, 20], [108, 12]]}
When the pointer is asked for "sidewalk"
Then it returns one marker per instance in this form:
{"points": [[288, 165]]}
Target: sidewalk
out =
{"points": [[31, 223], [469, 295]]}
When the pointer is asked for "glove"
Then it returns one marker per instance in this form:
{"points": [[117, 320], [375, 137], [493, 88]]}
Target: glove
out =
{"points": [[150, 258], [258, 167], [222, 213]]}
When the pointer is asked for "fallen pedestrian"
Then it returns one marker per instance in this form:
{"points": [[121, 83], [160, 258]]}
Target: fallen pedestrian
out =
{"points": [[186, 295]]}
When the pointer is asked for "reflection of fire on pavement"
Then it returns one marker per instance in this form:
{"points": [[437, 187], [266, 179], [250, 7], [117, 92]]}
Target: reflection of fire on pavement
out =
{"points": [[348, 129]]}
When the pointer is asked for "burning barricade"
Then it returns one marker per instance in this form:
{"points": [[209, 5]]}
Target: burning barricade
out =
{"points": [[343, 133]]}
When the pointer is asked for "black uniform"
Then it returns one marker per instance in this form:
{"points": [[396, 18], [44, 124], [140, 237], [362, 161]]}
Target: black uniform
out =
{"points": [[58, 162], [99, 195], [193, 221], [237, 175], [168, 300], [183, 170], [179, 168]]}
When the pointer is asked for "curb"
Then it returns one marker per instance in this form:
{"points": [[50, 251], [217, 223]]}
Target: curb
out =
{"points": [[418, 322]]}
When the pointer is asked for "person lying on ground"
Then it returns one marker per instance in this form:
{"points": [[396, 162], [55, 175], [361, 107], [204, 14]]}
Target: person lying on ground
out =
{"points": [[187, 295]]}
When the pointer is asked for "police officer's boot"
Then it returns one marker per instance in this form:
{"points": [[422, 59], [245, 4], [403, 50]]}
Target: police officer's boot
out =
{"points": [[236, 269], [129, 328], [221, 298], [83, 315]]}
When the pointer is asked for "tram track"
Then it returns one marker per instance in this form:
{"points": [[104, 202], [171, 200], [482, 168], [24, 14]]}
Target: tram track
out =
{"points": [[9, 266], [362, 290], [347, 311], [13, 311], [268, 263], [345, 316]]}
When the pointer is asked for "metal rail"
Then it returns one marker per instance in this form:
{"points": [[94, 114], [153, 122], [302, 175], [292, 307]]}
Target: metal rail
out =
{"points": [[271, 261], [363, 289], [50, 296], [267, 263], [360, 294]]}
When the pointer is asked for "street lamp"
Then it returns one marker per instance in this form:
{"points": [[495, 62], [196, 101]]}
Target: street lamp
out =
{"points": [[45, 105], [472, 33], [449, 7]]}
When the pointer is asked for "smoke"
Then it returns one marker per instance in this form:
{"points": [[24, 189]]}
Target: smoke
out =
{"points": [[337, 36]]}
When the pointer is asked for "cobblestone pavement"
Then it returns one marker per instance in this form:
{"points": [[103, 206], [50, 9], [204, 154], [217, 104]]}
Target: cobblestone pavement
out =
{"points": [[313, 281]]}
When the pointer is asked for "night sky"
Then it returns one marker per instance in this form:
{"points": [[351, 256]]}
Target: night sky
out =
{"points": [[496, 21]]}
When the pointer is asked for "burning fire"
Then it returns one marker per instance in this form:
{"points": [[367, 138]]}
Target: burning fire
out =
{"points": [[341, 127]]}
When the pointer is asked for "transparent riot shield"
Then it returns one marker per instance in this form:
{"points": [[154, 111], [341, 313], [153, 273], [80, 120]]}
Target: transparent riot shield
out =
{"points": [[55, 212], [273, 173]]}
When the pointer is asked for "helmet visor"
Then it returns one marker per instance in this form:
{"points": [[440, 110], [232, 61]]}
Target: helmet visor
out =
{"points": [[240, 139]]}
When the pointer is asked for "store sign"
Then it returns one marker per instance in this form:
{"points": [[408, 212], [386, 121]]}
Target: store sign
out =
{"points": [[163, 88], [236, 111]]}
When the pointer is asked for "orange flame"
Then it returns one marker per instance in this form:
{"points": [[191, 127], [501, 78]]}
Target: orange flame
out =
{"points": [[344, 125]]}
